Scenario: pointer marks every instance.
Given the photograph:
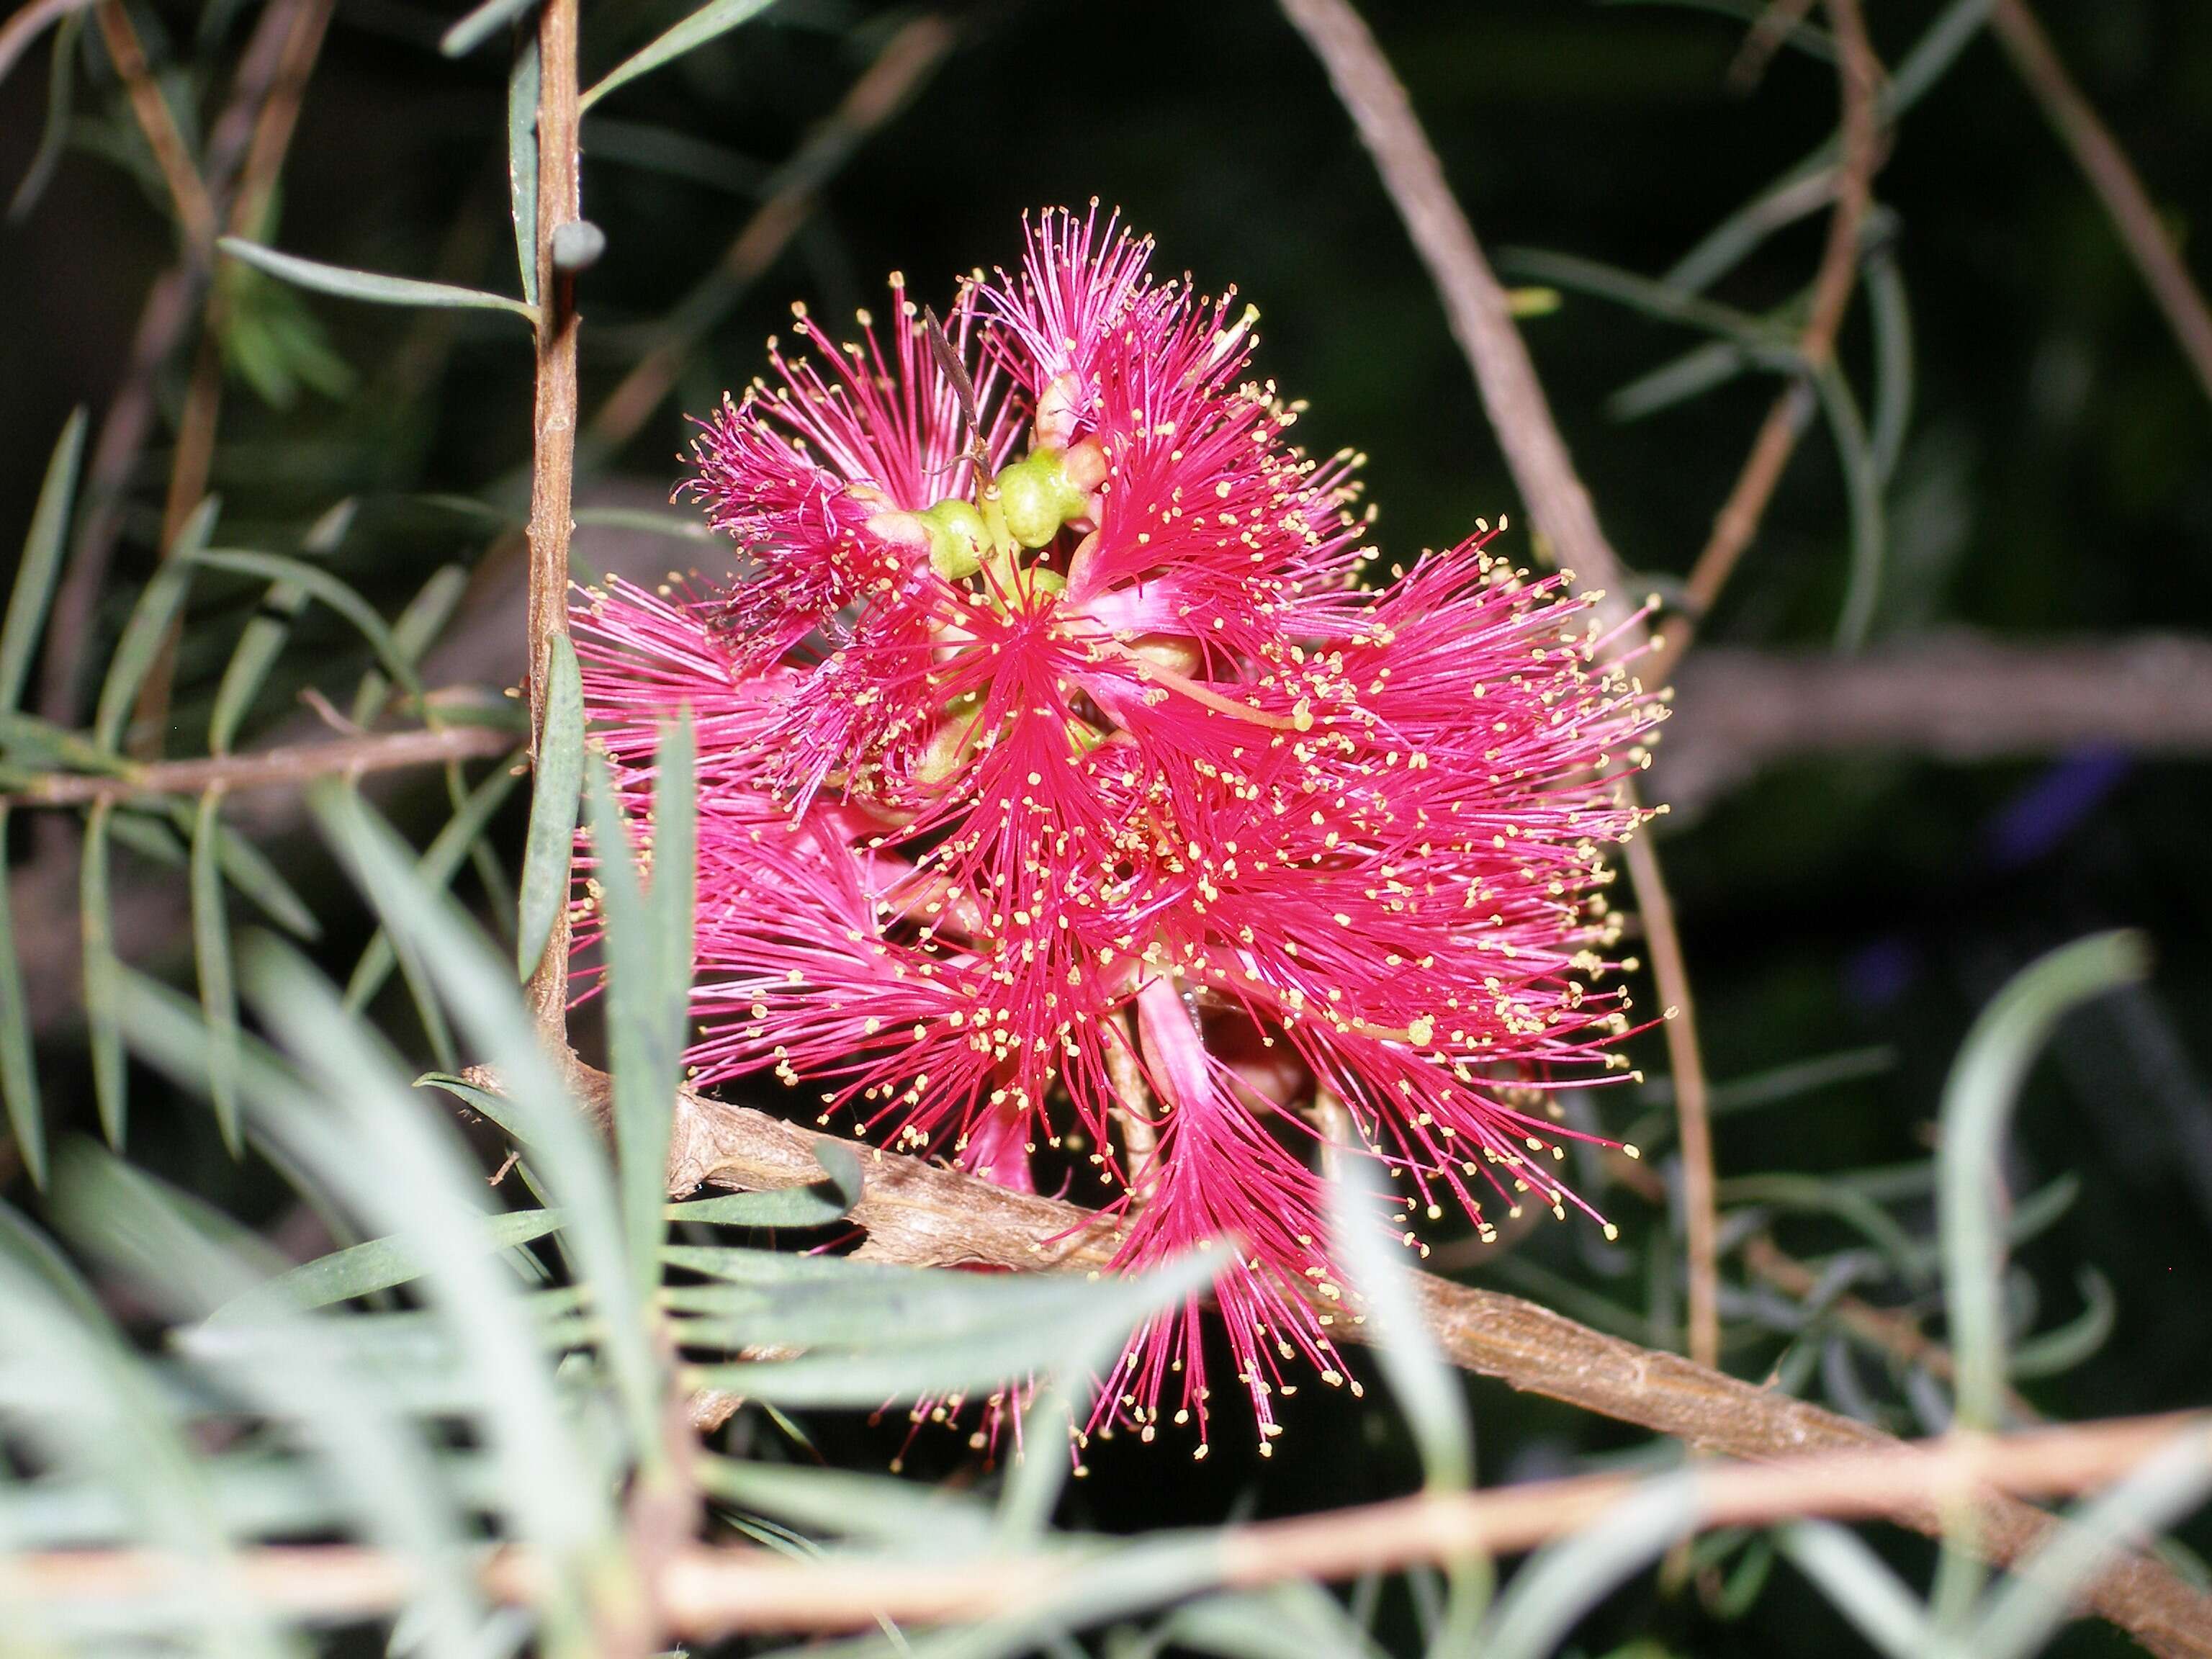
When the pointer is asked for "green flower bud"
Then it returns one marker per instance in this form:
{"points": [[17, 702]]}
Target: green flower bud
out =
{"points": [[1038, 498], [957, 539]]}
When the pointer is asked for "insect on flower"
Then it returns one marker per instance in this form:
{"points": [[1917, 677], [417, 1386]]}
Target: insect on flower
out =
{"points": [[1062, 792]]}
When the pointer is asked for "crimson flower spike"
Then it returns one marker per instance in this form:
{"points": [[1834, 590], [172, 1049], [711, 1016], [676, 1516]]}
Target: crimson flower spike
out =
{"points": [[1063, 797]]}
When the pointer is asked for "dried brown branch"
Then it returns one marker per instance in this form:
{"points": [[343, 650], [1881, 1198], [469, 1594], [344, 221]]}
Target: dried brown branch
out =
{"points": [[188, 192], [1482, 321], [1858, 75], [553, 444], [290, 767], [907, 60], [1959, 697], [713, 1592], [1474, 302], [2105, 166]]}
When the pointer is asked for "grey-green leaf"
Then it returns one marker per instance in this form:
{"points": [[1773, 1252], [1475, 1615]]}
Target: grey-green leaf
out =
{"points": [[144, 633], [715, 18], [522, 159], [554, 800], [101, 971], [211, 958], [19, 1070], [367, 285], [41, 560]]}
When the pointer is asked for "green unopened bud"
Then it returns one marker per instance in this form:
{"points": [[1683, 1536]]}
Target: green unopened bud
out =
{"points": [[1038, 498], [957, 539]]}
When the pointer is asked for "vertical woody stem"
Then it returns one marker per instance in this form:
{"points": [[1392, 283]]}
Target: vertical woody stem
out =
{"points": [[553, 461]]}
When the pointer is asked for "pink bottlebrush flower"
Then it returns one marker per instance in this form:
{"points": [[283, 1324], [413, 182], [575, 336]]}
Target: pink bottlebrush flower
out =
{"points": [[1062, 796]]}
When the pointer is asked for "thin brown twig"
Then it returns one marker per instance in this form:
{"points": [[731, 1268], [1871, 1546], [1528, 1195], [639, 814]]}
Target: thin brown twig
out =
{"points": [[1692, 1113], [188, 192], [711, 1592], [1762, 40], [1482, 321], [287, 767], [881, 91], [1858, 75], [2105, 166], [553, 441]]}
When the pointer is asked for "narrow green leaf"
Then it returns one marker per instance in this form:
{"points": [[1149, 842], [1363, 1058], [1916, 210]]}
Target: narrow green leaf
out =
{"points": [[378, 1265], [2027, 1608], [554, 796], [440, 864], [321, 584], [211, 958], [248, 869], [482, 990], [368, 285], [41, 560], [1978, 1101], [814, 1205], [2062, 1350], [414, 630], [1298, 1620], [1553, 1591], [259, 643], [876, 1508], [479, 25], [105, 1028], [1862, 491], [648, 944], [149, 627], [1429, 1392], [1862, 1585], [54, 140], [1805, 188], [19, 1066], [677, 526], [1697, 371], [522, 159], [1890, 310], [88, 1403], [715, 18], [993, 1330]]}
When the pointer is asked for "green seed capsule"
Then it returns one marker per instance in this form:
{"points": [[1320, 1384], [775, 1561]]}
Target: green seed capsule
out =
{"points": [[957, 539], [1027, 493]]}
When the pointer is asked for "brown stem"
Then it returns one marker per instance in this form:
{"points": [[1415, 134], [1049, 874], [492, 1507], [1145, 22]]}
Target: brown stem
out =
{"points": [[1858, 75], [2105, 166], [188, 193], [1482, 321], [905, 61], [286, 767], [1700, 1214], [553, 445], [1474, 302], [713, 1592]]}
